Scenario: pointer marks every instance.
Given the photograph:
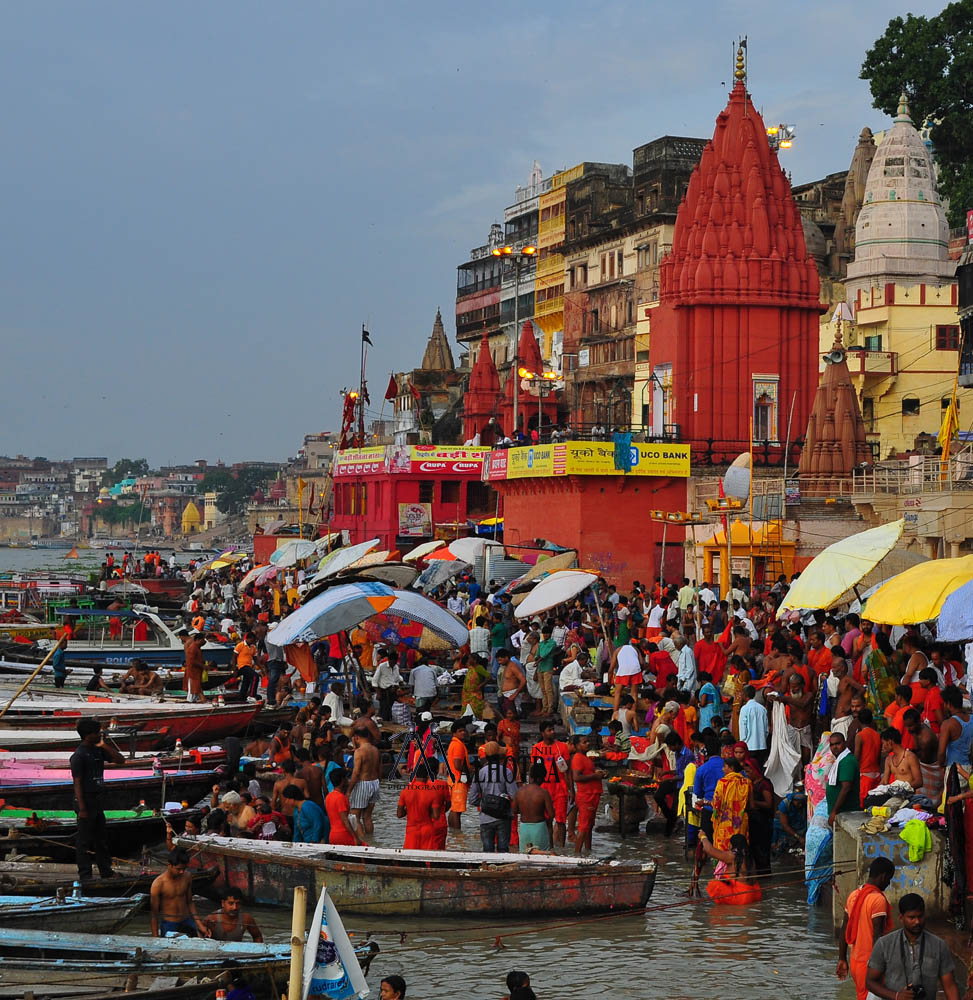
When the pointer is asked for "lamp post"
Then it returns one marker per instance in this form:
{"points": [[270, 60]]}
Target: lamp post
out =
{"points": [[781, 136], [519, 257], [545, 383]]}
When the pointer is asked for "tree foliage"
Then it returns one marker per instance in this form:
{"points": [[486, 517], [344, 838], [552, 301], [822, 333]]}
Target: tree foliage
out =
{"points": [[125, 468], [234, 490], [931, 58]]}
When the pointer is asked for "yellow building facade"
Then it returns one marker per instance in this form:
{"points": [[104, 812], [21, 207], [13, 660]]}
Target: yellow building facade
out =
{"points": [[549, 276], [190, 519]]}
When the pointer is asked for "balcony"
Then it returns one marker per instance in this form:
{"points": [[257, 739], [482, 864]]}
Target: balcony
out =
{"points": [[915, 475], [878, 364], [549, 306]]}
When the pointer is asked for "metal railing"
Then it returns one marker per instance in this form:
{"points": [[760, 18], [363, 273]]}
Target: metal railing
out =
{"points": [[915, 475]]}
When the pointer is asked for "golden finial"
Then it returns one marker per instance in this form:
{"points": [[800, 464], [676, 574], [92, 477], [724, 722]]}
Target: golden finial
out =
{"points": [[740, 73]]}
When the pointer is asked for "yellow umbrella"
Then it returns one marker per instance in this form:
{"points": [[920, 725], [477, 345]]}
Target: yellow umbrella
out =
{"points": [[842, 565], [917, 595]]}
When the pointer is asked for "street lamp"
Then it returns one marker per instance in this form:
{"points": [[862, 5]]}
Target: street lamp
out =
{"points": [[781, 136], [519, 257], [545, 384]]}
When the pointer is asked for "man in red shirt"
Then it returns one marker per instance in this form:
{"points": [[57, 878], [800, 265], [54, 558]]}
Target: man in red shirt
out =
{"points": [[932, 705], [338, 808], [710, 656], [587, 792], [422, 802], [662, 665], [554, 755]]}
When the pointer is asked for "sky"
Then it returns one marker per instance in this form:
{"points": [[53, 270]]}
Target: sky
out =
{"points": [[203, 203]]}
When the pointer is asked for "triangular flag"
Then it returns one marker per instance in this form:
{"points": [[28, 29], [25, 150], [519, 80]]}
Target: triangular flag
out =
{"points": [[393, 390], [331, 967]]}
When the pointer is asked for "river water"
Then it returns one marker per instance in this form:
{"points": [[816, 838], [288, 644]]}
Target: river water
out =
{"points": [[680, 949]]}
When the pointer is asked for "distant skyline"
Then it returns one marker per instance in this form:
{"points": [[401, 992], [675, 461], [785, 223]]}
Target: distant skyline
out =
{"points": [[204, 202]]}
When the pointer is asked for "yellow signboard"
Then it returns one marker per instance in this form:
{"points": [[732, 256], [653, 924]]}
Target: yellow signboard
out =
{"points": [[594, 458], [598, 459], [537, 460]]}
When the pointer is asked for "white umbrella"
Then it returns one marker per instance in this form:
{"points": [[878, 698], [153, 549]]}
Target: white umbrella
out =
{"points": [[554, 590], [292, 552], [252, 575], [470, 549], [341, 559], [423, 550], [323, 543], [334, 610]]}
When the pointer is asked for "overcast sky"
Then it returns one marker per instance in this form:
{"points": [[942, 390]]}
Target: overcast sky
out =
{"points": [[203, 202]]}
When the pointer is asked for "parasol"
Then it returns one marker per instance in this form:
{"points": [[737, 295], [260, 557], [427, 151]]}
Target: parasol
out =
{"points": [[918, 594], [334, 610], [413, 607], [439, 572], [292, 552], [394, 574], [335, 562], [956, 616], [470, 549], [554, 590], [252, 575], [840, 567], [423, 550]]}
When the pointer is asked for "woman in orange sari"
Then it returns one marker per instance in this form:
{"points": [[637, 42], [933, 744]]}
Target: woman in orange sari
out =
{"points": [[731, 801]]}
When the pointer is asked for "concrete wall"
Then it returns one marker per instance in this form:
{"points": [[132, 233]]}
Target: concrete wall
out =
{"points": [[854, 851]]}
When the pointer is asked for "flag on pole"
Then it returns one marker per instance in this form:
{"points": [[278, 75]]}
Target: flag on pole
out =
{"points": [[365, 339], [310, 502], [301, 487], [950, 426], [415, 392], [393, 390], [331, 966]]}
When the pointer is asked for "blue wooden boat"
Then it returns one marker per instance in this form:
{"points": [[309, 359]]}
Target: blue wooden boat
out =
{"points": [[61, 912]]}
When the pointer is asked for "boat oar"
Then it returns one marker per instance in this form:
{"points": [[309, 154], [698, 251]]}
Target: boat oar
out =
{"points": [[23, 687]]}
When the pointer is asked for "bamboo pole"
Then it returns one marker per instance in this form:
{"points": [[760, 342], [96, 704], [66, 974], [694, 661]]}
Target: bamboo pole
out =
{"points": [[295, 982], [23, 687]]}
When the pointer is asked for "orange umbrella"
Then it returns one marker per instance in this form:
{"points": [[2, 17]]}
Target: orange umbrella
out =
{"points": [[444, 554]]}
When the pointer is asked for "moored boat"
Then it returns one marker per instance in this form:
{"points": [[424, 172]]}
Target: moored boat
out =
{"points": [[61, 912], [32, 878], [386, 881], [28, 957]]}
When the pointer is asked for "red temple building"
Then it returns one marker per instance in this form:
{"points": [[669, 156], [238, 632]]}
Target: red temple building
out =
{"points": [[529, 357], [480, 403], [734, 338]]}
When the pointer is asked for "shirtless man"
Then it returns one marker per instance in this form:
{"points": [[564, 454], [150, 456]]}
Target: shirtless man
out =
{"points": [[801, 704], [917, 659], [172, 903], [740, 643], [857, 704], [289, 777], [229, 922], [145, 681], [534, 808], [900, 764], [927, 750], [848, 687], [313, 778], [366, 721], [514, 680], [363, 788]]}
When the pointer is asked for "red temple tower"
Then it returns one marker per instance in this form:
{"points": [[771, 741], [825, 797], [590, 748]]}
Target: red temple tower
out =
{"points": [[529, 357], [482, 398], [734, 338]]}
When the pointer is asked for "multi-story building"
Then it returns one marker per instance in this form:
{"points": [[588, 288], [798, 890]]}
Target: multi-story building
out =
{"points": [[901, 287], [478, 286], [619, 223]]}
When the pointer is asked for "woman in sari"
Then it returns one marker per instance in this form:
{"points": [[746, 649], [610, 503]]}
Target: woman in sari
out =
{"points": [[732, 801], [880, 679], [733, 882], [477, 675]]}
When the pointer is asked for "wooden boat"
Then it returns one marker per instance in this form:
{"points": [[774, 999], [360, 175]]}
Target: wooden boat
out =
{"points": [[50, 833], [61, 912], [32, 878], [197, 759], [202, 723], [29, 957], [17, 666], [384, 881], [162, 645], [117, 793], [128, 740]]}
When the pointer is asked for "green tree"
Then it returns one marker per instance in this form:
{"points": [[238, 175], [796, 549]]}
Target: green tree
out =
{"points": [[125, 468], [931, 59], [234, 489]]}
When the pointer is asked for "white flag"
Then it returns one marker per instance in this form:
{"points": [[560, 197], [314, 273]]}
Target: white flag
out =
{"points": [[331, 966]]}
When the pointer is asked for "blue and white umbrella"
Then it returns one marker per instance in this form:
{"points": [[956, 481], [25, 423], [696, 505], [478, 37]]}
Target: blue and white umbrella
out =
{"points": [[956, 617], [334, 610]]}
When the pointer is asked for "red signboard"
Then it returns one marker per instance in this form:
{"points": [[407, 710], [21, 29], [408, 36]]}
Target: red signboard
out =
{"points": [[969, 225]]}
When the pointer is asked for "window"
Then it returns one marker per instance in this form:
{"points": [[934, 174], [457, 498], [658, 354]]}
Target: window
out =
{"points": [[947, 338], [944, 403], [910, 407], [873, 343], [631, 311], [595, 325], [611, 265], [449, 491], [765, 392], [426, 490], [621, 263]]}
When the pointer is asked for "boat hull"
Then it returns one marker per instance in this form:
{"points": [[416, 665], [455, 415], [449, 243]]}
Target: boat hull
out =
{"points": [[390, 890], [22, 878], [96, 915], [120, 793]]}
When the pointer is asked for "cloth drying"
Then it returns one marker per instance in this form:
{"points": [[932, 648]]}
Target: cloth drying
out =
{"points": [[916, 834], [906, 815], [785, 753]]}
